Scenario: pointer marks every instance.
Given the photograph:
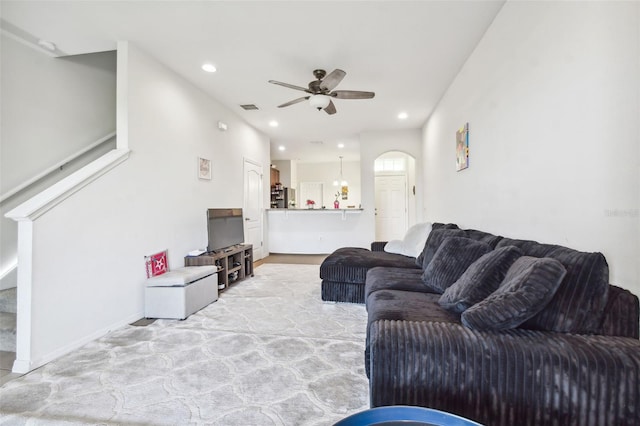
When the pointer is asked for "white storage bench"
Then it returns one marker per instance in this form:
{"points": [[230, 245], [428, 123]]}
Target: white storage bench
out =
{"points": [[181, 292]]}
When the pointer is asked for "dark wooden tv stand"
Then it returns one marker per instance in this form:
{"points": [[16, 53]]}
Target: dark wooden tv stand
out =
{"points": [[234, 263]]}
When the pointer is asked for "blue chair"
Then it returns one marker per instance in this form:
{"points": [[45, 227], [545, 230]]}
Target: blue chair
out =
{"points": [[404, 415]]}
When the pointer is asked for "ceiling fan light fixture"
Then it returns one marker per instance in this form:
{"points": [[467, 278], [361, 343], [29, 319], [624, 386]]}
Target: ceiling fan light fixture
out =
{"points": [[319, 102]]}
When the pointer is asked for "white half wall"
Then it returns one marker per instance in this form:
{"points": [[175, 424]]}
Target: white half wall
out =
{"points": [[88, 252], [552, 98]]}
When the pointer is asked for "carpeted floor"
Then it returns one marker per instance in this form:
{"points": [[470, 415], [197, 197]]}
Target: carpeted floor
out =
{"points": [[268, 352]]}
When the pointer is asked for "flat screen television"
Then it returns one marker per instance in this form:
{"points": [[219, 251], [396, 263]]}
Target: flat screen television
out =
{"points": [[225, 228]]}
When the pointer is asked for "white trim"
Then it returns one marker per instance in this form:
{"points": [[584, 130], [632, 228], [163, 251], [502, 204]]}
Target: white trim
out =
{"points": [[57, 166], [27, 39], [24, 365], [9, 277], [122, 95], [44, 201], [23, 316]]}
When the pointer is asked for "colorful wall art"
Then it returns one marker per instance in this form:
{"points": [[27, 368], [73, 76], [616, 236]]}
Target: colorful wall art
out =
{"points": [[462, 147]]}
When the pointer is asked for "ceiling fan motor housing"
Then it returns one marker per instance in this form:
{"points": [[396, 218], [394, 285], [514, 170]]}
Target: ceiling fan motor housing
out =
{"points": [[319, 74]]}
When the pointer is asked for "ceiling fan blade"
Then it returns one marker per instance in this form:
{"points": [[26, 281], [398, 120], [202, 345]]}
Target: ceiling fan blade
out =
{"points": [[351, 94], [295, 101], [290, 86], [332, 79], [331, 108]]}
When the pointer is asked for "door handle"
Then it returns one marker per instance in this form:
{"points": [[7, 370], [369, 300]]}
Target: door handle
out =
{"points": [[246, 218]]}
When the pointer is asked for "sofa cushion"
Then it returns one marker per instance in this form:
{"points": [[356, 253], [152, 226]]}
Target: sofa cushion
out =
{"points": [[579, 303], [409, 306], [485, 237], [435, 226], [413, 241], [350, 264], [436, 237], [385, 278], [453, 257], [481, 279], [528, 286]]}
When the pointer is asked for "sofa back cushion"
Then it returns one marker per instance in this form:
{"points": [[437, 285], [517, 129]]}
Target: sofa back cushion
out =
{"points": [[481, 279], [452, 258], [485, 237], [436, 237], [434, 226], [622, 314], [579, 302], [527, 288]]}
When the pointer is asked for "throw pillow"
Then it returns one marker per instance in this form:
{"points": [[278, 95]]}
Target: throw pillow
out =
{"points": [[529, 285], [436, 237], [412, 243], [452, 258], [481, 279], [578, 305]]}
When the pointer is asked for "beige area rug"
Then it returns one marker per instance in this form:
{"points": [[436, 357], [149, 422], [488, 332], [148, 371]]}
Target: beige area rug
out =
{"points": [[268, 352]]}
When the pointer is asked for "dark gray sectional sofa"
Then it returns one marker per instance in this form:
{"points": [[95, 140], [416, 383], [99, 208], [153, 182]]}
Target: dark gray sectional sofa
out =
{"points": [[498, 330]]}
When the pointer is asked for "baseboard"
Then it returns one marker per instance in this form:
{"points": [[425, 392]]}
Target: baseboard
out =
{"points": [[23, 366], [9, 279]]}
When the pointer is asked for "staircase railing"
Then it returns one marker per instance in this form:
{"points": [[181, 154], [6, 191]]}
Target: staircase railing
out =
{"points": [[58, 166]]}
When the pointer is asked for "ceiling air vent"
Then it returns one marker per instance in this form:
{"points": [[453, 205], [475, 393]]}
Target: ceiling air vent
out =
{"points": [[249, 107]]}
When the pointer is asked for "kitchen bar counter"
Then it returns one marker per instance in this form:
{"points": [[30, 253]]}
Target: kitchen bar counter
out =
{"points": [[315, 231]]}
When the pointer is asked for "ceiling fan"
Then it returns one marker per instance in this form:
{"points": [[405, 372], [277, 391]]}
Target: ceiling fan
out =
{"points": [[321, 91]]}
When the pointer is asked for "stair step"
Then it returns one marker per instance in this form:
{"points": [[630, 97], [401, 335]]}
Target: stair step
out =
{"points": [[8, 300], [7, 332]]}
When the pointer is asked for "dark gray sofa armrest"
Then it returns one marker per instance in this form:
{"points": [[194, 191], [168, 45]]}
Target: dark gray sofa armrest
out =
{"points": [[378, 245], [621, 314], [522, 377]]}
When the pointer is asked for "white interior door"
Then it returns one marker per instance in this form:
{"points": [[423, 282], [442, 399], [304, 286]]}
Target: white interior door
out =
{"points": [[391, 207], [253, 209]]}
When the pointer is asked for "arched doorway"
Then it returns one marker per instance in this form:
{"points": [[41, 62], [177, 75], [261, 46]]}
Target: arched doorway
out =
{"points": [[395, 200]]}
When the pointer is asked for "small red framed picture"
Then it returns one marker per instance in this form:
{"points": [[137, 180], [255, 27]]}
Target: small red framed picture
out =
{"points": [[156, 264]]}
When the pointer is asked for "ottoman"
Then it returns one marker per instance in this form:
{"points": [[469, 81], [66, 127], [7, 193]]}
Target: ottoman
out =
{"points": [[344, 271], [181, 292]]}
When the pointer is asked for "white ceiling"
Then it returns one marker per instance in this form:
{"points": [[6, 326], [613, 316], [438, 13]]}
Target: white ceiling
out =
{"points": [[407, 52]]}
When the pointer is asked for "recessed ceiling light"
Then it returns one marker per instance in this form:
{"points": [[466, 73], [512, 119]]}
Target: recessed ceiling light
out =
{"points": [[403, 116], [273, 123], [340, 145], [281, 148], [209, 67]]}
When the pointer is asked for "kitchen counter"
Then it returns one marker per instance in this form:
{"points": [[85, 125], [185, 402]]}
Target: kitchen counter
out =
{"points": [[315, 231]]}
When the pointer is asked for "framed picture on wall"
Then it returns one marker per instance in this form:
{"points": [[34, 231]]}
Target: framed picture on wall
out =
{"points": [[462, 147], [204, 168]]}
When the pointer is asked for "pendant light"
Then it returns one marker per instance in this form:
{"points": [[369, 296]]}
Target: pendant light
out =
{"points": [[340, 181]]}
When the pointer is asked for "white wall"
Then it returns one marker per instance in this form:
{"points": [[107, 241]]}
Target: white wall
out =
{"points": [[327, 173], [552, 98], [51, 108], [374, 144], [284, 167], [88, 251]]}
